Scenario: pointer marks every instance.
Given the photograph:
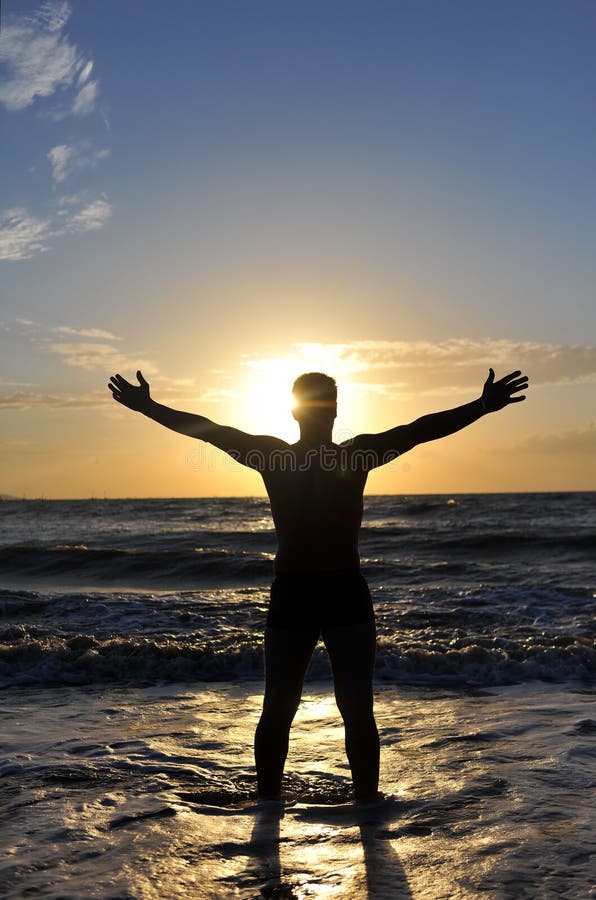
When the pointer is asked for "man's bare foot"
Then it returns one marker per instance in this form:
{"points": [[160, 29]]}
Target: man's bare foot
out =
{"points": [[368, 801]]}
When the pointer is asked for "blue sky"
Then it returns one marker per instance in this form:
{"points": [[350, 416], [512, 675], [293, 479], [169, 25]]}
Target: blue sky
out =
{"points": [[196, 186]]}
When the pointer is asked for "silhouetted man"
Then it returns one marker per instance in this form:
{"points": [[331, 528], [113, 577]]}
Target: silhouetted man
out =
{"points": [[316, 492]]}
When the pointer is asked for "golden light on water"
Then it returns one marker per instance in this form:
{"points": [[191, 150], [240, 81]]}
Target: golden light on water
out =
{"points": [[319, 707]]}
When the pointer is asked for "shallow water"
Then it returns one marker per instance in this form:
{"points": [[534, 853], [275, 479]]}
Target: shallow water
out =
{"points": [[147, 792]]}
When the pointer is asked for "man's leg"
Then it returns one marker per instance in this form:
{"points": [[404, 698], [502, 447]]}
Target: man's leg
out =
{"points": [[351, 650], [287, 655]]}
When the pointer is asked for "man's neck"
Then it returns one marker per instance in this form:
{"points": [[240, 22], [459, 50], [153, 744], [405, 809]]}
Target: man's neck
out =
{"points": [[315, 438]]}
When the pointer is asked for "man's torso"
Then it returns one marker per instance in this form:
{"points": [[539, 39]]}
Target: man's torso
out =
{"points": [[316, 503]]}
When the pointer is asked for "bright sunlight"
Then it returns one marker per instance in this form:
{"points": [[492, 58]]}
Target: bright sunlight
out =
{"points": [[266, 399]]}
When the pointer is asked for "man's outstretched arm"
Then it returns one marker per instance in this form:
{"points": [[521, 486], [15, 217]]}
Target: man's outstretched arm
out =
{"points": [[245, 448], [495, 395]]}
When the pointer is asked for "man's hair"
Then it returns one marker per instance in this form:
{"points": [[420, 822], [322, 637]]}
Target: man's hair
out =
{"points": [[315, 388]]}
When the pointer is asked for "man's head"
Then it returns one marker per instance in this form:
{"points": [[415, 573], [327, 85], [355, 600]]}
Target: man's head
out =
{"points": [[315, 397]]}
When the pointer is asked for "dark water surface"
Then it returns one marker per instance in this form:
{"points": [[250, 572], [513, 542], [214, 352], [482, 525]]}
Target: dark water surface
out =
{"points": [[468, 589]]}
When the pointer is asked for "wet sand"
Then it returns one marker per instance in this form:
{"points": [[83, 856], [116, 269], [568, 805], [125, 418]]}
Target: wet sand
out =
{"points": [[148, 792]]}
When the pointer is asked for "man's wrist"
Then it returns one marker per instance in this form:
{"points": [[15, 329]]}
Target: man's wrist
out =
{"points": [[147, 407], [483, 405]]}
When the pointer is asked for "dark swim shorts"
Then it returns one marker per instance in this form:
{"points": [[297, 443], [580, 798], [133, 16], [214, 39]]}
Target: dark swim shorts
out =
{"points": [[307, 601]]}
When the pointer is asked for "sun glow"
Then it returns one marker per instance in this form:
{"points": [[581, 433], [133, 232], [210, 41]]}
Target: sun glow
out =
{"points": [[266, 400], [267, 397]]}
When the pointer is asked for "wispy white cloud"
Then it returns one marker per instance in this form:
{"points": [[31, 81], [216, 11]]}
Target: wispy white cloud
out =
{"points": [[22, 235], [15, 443], [573, 440], [90, 217], [68, 200], [97, 353], [93, 355], [86, 355], [404, 368], [85, 72], [59, 157], [23, 400], [215, 396], [20, 401], [40, 58], [84, 102], [39, 331], [85, 332], [66, 159]]}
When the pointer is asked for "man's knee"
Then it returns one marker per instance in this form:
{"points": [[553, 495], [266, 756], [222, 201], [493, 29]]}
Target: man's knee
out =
{"points": [[280, 707], [356, 711]]}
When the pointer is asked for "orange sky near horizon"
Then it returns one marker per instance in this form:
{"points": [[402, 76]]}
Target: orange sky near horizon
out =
{"points": [[84, 445]]}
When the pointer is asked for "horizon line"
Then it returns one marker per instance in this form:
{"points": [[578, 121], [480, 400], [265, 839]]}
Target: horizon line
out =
{"points": [[7, 498]]}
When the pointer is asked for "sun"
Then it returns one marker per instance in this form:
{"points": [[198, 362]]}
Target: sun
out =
{"points": [[267, 396], [266, 388]]}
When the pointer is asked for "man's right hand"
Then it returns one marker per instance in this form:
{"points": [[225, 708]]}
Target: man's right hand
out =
{"points": [[129, 394]]}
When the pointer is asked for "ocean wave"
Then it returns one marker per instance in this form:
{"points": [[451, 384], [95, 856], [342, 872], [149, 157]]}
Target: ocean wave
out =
{"points": [[465, 538], [538, 540], [86, 659], [248, 558], [113, 566]]}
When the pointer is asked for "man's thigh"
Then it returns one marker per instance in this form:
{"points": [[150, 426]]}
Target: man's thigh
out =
{"points": [[287, 655], [351, 650]]}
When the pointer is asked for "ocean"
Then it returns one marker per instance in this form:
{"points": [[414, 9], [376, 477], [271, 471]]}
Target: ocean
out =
{"points": [[131, 672]]}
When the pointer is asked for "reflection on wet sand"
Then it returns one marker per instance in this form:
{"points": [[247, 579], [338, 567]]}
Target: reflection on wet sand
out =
{"points": [[382, 874]]}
